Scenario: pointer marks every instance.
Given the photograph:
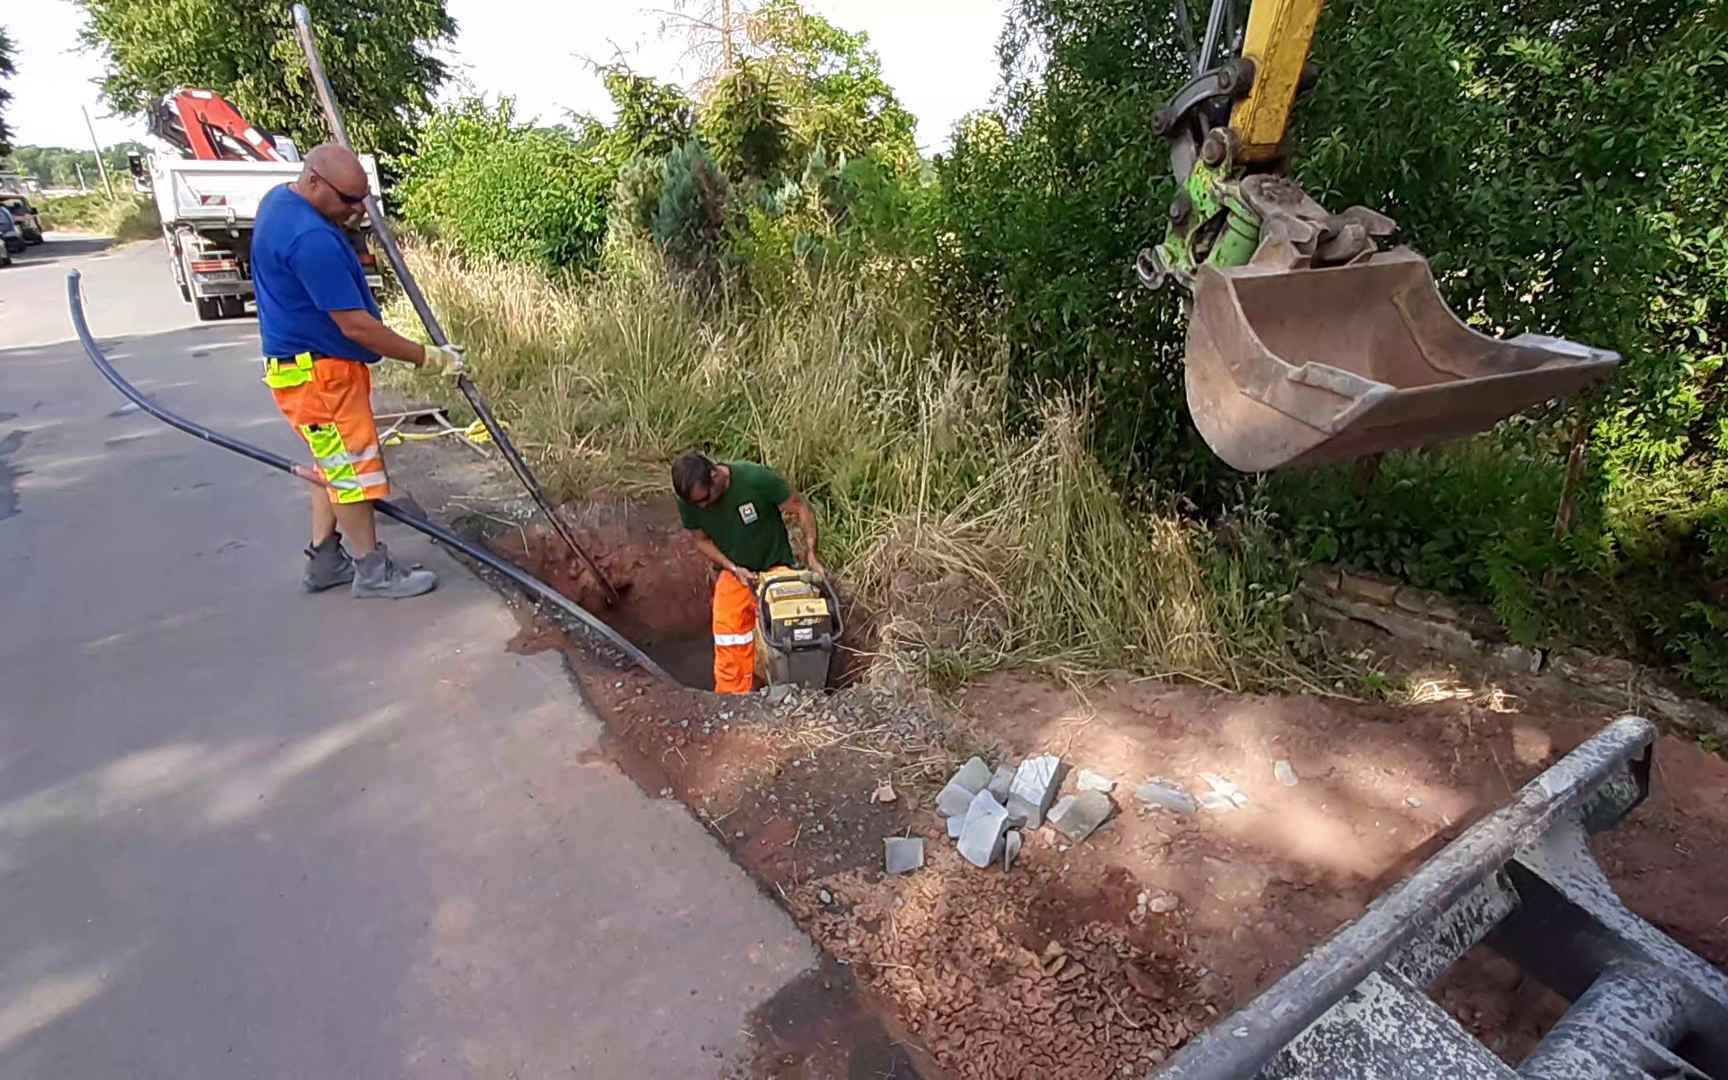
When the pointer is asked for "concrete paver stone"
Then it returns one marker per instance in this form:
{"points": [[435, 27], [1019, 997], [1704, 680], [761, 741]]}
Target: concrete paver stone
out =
{"points": [[981, 836], [1075, 816], [1033, 789]]}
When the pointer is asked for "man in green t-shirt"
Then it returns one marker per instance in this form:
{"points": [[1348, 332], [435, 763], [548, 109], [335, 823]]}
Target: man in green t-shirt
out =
{"points": [[735, 513]]}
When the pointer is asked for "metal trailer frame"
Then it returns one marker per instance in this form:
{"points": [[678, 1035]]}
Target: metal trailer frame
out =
{"points": [[1523, 881]]}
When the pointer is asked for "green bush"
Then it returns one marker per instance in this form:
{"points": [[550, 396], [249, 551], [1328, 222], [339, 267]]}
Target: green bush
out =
{"points": [[493, 187], [1045, 203], [743, 123], [691, 215], [636, 198]]}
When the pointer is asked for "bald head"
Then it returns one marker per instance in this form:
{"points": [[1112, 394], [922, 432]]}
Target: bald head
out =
{"points": [[333, 181]]}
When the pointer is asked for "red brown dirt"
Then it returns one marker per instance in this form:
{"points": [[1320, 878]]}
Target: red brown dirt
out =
{"points": [[1055, 968]]}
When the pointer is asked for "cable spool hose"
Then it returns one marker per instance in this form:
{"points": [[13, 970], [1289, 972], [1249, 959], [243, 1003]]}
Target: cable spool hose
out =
{"points": [[529, 584]]}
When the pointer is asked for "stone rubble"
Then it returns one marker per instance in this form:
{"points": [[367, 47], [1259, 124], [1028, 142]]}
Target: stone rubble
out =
{"points": [[957, 795], [954, 799], [1091, 781], [1076, 816], [981, 836], [902, 855], [1163, 795], [1033, 789], [1223, 789], [973, 775], [988, 827]]}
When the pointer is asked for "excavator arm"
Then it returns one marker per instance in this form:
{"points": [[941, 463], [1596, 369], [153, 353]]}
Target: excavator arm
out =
{"points": [[1307, 342], [1276, 43]]}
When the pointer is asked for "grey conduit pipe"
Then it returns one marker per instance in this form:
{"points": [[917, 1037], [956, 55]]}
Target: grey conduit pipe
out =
{"points": [[529, 584]]}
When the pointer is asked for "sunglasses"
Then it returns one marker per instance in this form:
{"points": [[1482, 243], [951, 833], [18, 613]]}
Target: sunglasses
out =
{"points": [[347, 199]]}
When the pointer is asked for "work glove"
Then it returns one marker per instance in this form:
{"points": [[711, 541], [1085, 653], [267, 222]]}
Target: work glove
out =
{"points": [[449, 360]]}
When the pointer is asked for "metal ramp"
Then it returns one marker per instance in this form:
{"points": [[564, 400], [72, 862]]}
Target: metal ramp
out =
{"points": [[1523, 880]]}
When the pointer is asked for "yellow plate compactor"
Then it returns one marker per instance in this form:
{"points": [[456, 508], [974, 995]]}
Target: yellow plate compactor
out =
{"points": [[797, 625]]}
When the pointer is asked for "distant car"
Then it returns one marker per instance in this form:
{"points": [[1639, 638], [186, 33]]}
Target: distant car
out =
{"points": [[10, 234], [28, 220]]}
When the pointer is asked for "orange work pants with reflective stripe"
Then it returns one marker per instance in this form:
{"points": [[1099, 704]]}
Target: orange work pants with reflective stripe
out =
{"points": [[734, 636], [332, 411]]}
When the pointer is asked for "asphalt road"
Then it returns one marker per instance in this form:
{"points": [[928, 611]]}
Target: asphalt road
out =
{"points": [[246, 832]]}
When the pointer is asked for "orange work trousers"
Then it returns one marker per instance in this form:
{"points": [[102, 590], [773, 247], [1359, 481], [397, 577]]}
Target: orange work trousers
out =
{"points": [[329, 402], [734, 636]]}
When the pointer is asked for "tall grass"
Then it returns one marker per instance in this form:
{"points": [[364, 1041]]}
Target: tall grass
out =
{"points": [[129, 217], [971, 542]]}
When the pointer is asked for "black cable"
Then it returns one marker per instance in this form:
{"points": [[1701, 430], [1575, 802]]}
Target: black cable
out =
{"points": [[527, 582]]}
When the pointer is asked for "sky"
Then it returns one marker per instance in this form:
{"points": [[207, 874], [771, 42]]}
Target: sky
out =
{"points": [[939, 55]]}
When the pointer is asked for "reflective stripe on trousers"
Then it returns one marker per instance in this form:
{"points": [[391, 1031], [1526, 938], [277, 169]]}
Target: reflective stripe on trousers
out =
{"points": [[734, 636], [337, 463]]}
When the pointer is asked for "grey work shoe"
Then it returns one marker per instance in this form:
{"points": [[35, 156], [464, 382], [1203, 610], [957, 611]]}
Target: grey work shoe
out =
{"points": [[327, 565], [378, 575]]}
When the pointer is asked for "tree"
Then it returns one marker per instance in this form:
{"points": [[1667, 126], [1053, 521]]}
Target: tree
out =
{"points": [[654, 118], [744, 123], [7, 70], [836, 97], [57, 166], [1048, 198], [714, 32], [378, 54], [827, 81]]}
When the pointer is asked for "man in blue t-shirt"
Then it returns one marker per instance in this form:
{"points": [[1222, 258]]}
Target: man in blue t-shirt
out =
{"points": [[320, 329]]}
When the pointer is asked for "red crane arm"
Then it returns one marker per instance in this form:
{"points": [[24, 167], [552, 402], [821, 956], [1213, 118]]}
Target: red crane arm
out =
{"points": [[206, 117]]}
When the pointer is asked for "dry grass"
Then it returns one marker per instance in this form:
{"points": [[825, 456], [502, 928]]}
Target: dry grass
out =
{"points": [[972, 541], [129, 217]]}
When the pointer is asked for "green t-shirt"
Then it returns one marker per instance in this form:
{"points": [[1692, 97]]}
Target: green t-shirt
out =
{"points": [[745, 524]]}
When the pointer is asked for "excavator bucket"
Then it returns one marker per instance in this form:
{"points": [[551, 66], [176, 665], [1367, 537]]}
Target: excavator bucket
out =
{"points": [[1294, 363]]}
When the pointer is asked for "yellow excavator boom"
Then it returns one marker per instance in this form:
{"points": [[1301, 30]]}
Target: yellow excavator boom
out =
{"points": [[1277, 39]]}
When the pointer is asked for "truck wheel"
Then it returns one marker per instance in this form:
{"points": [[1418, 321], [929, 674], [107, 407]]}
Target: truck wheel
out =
{"points": [[209, 308], [233, 307]]}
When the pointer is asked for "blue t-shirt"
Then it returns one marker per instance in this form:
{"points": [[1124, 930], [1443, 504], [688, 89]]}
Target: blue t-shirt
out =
{"points": [[303, 268]]}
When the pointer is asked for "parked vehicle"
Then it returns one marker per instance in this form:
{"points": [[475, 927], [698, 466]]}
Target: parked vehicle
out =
{"points": [[207, 210], [208, 196], [27, 218], [10, 238]]}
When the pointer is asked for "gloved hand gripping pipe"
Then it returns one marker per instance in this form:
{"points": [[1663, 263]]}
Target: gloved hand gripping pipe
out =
{"points": [[527, 582], [387, 238]]}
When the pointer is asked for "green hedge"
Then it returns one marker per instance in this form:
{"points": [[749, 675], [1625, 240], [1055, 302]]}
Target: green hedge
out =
{"points": [[493, 187]]}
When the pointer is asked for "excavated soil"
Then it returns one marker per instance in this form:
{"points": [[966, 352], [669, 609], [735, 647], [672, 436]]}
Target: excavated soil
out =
{"points": [[664, 584], [1095, 959]]}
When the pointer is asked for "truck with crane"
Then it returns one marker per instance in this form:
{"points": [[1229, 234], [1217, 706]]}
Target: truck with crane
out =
{"points": [[207, 193]]}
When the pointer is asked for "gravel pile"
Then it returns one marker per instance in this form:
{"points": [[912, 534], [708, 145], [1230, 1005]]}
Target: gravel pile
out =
{"points": [[948, 944]]}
